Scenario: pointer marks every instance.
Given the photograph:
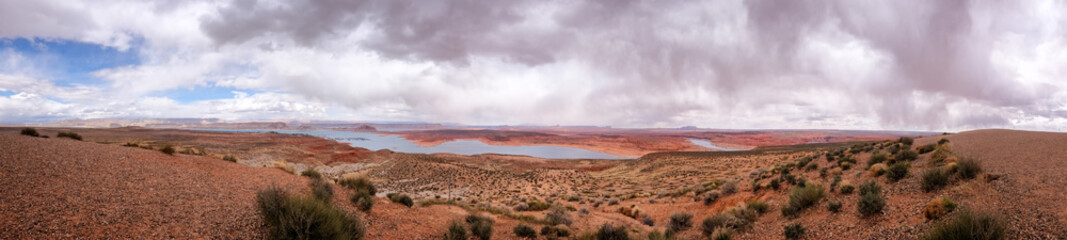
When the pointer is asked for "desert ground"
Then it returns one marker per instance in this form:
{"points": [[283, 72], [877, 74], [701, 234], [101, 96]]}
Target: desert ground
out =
{"points": [[116, 183]]}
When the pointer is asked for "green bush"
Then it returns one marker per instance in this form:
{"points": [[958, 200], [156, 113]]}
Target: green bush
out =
{"points": [[680, 222], [934, 178], [720, 220], [906, 155], [807, 196], [871, 201], [759, 206], [897, 171], [926, 148], [292, 217], [229, 158], [311, 173], [722, 234], [537, 205], [30, 132], [524, 231], [455, 232], [967, 224], [906, 140], [321, 190], [364, 201], [359, 185], [942, 141], [877, 158], [481, 227], [870, 187], [70, 135], [168, 149], [557, 215], [609, 232], [847, 189], [833, 206], [774, 184], [969, 168], [793, 231], [401, 199]]}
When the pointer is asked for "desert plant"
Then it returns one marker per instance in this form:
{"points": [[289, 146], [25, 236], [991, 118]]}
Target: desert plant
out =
{"points": [[558, 215], [933, 179], [938, 207], [760, 206], [455, 231], [897, 171], [538, 205], [906, 140], [793, 231], [680, 222], [926, 148], [942, 141], [168, 149], [721, 234], [648, 220], [871, 201], [292, 217], [30, 132], [363, 200], [833, 206], [70, 135], [730, 187], [401, 199], [968, 168], [481, 227], [847, 189], [878, 169], [311, 173], [229, 158], [524, 231], [321, 190], [359, 184], [804, 197], [710, 197], [720, 220], [877, 158], [609, 232], [774, 184], [906, 155], [967, 224], [653, 235]]}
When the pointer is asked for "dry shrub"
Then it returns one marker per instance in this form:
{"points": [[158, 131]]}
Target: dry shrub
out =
{"points": [[283, 166], [938, 207]]}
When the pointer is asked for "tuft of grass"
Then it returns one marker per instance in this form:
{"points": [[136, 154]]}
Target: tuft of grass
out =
{"points": [[403, 199], [455, 231], [926, 148], [680, 222], [793, 231], [311, 173], [321, 190], [730, 187], [897, 171], [294, 217], [283, 166], [30, 132], [938, 207], [558, 215], [906, 155], [524, 231], [969, 168], [168, 149], [877, 158], [722, 234], [968, 224], [609, 232], [229, 158], [363, 197], [847, 189], [481, 227], [906, 140], [934, 178], [760, 206], [70, 135], [833, 206], [537, 205], [802, 198]]}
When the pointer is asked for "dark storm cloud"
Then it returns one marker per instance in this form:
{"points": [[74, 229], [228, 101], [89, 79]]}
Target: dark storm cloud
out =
{"points": [[662, 57]]}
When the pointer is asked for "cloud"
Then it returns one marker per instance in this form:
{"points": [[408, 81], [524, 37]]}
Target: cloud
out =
{"points": [[942, 65]]}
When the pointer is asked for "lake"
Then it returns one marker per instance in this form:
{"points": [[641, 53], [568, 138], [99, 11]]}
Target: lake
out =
{"points": [[395, 143], [709, 144]]}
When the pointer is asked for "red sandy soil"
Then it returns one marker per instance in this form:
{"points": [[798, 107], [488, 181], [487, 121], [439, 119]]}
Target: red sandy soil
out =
{"points": [[638, 142]]}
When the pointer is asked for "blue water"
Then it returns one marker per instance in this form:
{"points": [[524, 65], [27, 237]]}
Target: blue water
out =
{"points": [[376, 142], [709, 144]]}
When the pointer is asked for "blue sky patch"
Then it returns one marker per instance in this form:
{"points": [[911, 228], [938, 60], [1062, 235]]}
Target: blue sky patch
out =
{"points": [[71, 62], [188, 95]]}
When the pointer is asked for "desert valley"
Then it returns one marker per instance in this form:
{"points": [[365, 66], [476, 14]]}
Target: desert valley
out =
{"points": [[130, 182]]}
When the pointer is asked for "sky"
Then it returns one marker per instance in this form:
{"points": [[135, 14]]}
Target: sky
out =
{"points": [[761, 64]]}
